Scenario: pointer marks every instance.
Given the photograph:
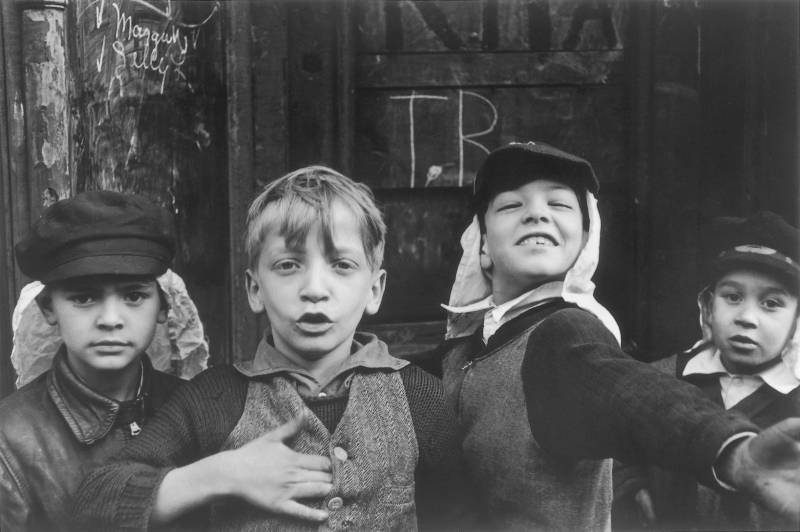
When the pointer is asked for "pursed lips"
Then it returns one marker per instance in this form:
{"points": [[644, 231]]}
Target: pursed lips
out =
{"points": [[314, 322], [743, 340]]}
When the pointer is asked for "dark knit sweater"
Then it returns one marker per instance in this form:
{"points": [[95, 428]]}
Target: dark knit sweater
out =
{"points": [[586, 399], [202, 414]]}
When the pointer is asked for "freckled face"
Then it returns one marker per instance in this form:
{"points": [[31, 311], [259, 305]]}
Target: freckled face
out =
{"points": [[314, 298], [105, 323], [533, 235], [752, 316]]}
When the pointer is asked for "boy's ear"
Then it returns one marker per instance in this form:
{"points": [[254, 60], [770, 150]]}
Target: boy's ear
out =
{"points": [[162, 315], [253, 292], [376, 292], [45, 304], [485, 259]]}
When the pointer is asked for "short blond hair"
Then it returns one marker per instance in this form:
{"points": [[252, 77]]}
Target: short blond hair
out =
{"points": [[293, 203]]}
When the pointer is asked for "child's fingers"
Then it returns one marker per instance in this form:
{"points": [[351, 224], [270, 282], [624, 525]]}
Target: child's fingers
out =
{"points": [[313, 462], [310, 490], [309, 475], [295, 509]]}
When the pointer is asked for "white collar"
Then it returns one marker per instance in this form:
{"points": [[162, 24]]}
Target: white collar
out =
{"points": [[779, 377]]}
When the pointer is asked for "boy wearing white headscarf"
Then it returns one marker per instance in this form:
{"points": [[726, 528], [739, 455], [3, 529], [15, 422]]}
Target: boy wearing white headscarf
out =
{"points": [[746, 361], [544, 394]]}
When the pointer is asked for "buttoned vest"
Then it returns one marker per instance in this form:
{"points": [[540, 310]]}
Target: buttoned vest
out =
{"points": [[373, 451], [519, 485]]}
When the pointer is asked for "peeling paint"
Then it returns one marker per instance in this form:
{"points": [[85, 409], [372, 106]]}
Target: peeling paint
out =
{"points": [[49, 154]]}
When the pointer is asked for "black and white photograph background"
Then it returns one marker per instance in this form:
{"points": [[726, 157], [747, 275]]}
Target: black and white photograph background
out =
{"points": [[686, 109]]}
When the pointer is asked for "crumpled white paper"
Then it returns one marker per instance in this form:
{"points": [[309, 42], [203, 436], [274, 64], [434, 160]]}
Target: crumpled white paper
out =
{"points": [[179, 343]]}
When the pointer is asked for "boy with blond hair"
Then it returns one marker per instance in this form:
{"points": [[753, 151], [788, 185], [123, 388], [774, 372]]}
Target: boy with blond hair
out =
{"points": [[323, 427]]}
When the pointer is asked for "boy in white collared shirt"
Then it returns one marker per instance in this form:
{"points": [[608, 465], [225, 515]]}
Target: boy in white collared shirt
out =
{"points": [[747, 361]]}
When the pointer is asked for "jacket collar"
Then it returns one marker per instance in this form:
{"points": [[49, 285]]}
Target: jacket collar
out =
{"points": [[367, 351], [90, 415], [708, 362]]}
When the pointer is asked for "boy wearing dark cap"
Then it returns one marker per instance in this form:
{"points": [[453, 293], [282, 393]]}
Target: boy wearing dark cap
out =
{"points": [[544, 394], [98, 255], [746, 361]]}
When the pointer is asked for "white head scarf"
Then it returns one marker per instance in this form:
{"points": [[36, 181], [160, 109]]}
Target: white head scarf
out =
{"points": [[181, 338], [472, 285]]}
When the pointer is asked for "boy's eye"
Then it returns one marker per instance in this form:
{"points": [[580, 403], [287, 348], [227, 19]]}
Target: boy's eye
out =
{"points": [[345, 265], [81, 299], [561, 204], [731, 297], [507, 206], [286, 266], [773, 303], [136, 296]]}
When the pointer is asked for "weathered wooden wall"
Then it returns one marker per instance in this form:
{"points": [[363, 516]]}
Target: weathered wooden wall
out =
{"points": [[688, 109]]}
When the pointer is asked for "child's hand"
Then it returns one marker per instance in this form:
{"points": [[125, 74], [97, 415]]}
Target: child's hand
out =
{"points": [[767, 468], [270, 475], [264, 472]]}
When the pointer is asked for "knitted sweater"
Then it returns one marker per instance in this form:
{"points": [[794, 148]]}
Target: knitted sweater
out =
{"points": [[681, 504], [583, 398], [200, 418]]}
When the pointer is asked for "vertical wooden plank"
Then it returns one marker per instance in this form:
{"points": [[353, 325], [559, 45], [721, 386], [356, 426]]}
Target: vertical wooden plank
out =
{"points": [[19, 201], [46, 104], [10, 159], [674, 207], [244, 324], [345, 86], [270, 103], [641, 79], [312, 83]]}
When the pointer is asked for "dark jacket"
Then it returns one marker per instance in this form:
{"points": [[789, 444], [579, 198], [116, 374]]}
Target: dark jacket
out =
{"points": [[53, 430]]}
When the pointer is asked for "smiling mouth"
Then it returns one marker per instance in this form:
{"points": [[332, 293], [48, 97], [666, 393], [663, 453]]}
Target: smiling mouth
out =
{"points": [[537, 239]]}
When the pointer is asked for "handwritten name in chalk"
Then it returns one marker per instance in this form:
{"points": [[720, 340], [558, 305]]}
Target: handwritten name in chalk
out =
{"points": [[144, 48], [435, 170]]}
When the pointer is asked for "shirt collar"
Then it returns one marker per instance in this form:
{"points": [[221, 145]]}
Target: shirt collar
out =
{"points": [[497, 315], [708, 362], [367, 352], [89, 414]]}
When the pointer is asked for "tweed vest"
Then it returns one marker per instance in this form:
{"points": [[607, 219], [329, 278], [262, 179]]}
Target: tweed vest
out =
{"points": [[373, 450], [519, 485]]}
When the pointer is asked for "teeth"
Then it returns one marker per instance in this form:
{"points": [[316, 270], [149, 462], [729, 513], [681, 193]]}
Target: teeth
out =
{"points": [[538, 241]]}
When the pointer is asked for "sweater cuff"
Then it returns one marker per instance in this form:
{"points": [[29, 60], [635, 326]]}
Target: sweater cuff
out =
{"points": [[730, 441], [136, 505], [717, 434]]}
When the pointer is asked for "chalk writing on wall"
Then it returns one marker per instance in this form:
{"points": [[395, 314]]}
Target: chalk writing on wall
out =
{"points": [[139, 39], [464, 138]]}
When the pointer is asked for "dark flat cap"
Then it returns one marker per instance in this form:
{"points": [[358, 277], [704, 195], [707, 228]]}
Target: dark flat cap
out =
{"points": [[96, 233], [517, 163], [763, 241]]}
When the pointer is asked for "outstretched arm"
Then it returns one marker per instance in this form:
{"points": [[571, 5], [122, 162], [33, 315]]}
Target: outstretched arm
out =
{"points": [[588, 399]]}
